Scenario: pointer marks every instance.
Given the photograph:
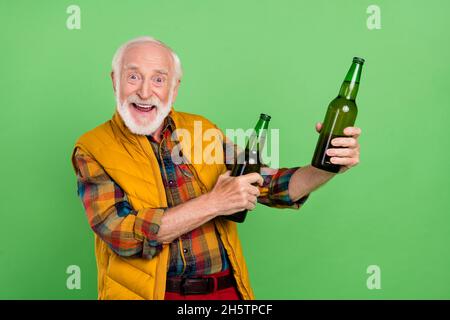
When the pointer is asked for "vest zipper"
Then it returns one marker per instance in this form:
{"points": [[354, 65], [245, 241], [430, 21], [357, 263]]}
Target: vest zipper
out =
{"points": [[180, 242]]}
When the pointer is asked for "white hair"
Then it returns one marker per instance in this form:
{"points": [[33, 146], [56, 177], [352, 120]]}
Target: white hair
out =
{"points": [[117, 59]]}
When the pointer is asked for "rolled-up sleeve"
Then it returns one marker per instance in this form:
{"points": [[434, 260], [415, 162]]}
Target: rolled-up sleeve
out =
{"points": [[275, 189], [127, 232]]}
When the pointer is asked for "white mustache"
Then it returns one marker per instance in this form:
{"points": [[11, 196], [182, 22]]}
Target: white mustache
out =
{"points": [[153, 101]]}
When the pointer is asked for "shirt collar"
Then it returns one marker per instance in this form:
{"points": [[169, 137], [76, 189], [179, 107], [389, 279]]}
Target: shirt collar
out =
{"points": [[168, 127]]}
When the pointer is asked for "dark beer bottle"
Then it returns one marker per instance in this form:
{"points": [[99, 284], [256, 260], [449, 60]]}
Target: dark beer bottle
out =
{"points": [[249, 161], [341, 113]]}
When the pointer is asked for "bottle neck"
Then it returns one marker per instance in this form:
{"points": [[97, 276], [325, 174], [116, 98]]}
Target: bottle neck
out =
{"points": [[258, 136], [350, 86]]}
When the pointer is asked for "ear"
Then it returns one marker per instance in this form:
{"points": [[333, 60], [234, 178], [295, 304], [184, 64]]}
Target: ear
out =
{"points": [[175, 90], [113, 81]]}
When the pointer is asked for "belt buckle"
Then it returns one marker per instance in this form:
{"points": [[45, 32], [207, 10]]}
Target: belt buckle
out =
{"points": [[185, 291]]}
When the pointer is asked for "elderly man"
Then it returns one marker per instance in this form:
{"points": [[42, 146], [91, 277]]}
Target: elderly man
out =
{"points": [[160, 226]]}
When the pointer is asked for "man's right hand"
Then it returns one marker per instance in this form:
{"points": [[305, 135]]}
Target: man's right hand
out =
{"points": [[229, 195], [234, 194]]}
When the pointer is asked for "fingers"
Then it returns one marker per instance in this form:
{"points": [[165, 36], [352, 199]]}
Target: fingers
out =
{"points": [[344, 142], [352, 131], [347, 152], [254, 191], [345, 161], [318, 126], [247, 202], [253, 178], [251, 204]]}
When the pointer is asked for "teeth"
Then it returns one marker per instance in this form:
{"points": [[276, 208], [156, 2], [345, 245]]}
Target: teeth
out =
{"points": [[143, 105]]}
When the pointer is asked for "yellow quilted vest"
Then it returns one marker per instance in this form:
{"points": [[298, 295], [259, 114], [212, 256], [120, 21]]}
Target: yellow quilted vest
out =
{"points": [[129, 161]]}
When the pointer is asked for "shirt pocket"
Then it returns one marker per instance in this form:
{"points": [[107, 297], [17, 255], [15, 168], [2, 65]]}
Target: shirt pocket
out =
{"points": [[184, 169]]}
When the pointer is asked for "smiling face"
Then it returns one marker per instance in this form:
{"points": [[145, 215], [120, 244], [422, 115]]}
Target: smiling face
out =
{"points": [[146, 87]]}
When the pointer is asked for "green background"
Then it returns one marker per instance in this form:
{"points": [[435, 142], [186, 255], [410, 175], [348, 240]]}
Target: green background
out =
{"points": [[240, 58]]}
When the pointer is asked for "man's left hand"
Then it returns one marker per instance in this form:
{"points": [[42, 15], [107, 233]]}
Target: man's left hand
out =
{"points": [[347, 153]]}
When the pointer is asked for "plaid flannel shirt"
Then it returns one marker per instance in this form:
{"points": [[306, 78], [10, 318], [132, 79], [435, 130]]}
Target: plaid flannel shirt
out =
{"points": [[130, 232]]}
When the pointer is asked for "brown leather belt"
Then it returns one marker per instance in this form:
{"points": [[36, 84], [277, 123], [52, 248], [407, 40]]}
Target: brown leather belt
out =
{"points": [[203, 285]]}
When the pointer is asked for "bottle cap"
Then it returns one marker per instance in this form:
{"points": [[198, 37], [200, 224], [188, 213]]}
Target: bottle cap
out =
{"points": [[358, 60], [265, 116]]}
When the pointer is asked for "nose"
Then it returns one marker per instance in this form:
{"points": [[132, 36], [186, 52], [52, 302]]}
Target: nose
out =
{"points": [[145, 91]]}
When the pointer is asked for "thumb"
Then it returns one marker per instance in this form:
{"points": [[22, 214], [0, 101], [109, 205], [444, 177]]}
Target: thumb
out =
{"points": [[223, 177], [226, 173], [318, 126], [254, 177]]}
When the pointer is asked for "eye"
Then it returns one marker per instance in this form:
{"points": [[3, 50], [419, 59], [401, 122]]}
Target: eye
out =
{"points": [[159, 80], [133, 77]]}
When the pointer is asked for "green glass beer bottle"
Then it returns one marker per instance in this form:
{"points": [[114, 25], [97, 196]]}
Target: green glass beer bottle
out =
{"points": [[249, 161], [341, 113]]}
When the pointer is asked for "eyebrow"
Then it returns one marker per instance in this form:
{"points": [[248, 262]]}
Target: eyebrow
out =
{"points": [[162, 71], [133, 66]]}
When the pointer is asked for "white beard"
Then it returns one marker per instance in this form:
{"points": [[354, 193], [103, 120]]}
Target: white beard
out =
{"points": [[147, 127]]}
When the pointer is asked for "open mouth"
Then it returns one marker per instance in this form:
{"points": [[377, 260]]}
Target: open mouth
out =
{"points": [[143, 107]]}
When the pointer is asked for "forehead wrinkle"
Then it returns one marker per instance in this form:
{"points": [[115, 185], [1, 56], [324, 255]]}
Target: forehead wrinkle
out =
{"points": [[158, 59]]}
